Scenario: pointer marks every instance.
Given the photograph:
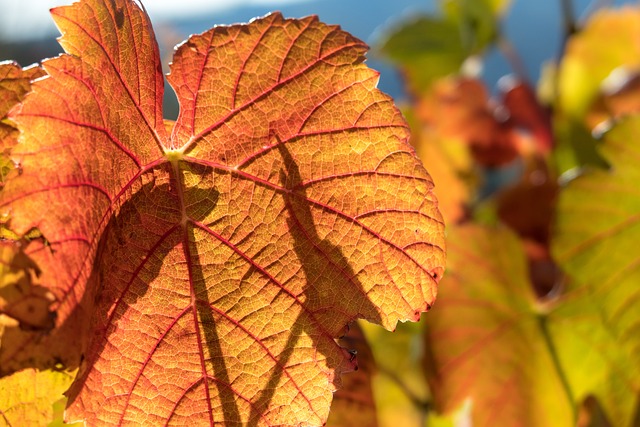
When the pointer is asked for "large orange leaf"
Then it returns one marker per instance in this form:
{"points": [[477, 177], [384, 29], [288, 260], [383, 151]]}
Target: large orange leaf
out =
{"points": [[219, 261]]}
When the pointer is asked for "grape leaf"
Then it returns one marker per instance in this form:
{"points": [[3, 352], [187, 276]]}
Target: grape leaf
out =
{"points": [[485, 337], [607, 41], [15, 82], [595, 241], [217, 259], [26, 397], [429, 47]]}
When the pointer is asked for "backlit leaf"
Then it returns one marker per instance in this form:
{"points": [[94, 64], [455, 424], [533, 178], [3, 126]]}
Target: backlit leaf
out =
{"points": [[450, 166], [596, 242], [27, 398], [217, 261], [487, 346], [15, 83], [608, 40]]}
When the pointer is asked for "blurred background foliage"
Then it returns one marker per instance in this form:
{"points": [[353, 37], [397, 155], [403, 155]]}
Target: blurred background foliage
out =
{"points": [[527, 115]]}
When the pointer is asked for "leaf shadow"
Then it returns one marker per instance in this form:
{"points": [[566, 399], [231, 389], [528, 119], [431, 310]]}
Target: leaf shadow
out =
{"points": [[132, 251], [148, 226], [309, 248]]}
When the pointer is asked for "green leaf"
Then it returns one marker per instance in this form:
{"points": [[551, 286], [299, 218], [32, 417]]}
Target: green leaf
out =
{"points": [[478, 20], [426, 48], [608, 40], [28, 398], [598, 228], [429, 47]]}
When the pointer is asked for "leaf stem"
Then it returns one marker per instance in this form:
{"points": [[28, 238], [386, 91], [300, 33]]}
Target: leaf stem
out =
{"points": [[568, 18], [544, 327], [515, 61], [422, 404]]}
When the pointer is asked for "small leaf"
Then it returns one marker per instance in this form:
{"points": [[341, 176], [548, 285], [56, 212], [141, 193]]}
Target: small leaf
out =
{"points": [[27, 398], [461, 108], [478, 20], [608, 40], [430, 47], [426, 48]]}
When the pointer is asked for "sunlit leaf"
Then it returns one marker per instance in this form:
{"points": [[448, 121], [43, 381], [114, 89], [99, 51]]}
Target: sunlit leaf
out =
{"points": [[461, 108], [27, 398], [596, 243], [216, 262], [608, 40], [15, 83], [401, 392], [488, 348], [450, 166]]}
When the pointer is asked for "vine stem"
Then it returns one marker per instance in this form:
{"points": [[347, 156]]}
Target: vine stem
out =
{"points": [[568, 18], [514, 59], [542, 321], [421, 404]]}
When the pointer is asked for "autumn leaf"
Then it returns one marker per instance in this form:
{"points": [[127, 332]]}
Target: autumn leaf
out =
{"points": [[450, 166], [217, 262], [607, 41], [354, 403], [595, 242], [25, 397], [486, 336], [496, 131], [15, 83], [604, 46]]}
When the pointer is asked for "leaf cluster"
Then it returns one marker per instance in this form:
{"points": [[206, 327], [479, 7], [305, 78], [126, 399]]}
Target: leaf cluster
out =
{"points": [[537, 317]]}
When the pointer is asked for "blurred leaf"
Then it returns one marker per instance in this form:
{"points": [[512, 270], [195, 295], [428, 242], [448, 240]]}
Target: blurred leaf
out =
{"points": [[27, 398], [430, 47], [400, 388], [462, 108], [353, 404], [486, 339], [608, 40], [426, 48], [575, 146], [526, 113], [478, 20], [619, 97], [450, 166], [527, 207], [598, 229]]}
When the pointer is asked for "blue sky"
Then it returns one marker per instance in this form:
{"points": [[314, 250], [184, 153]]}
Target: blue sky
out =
{"points": [[24, 19]]}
